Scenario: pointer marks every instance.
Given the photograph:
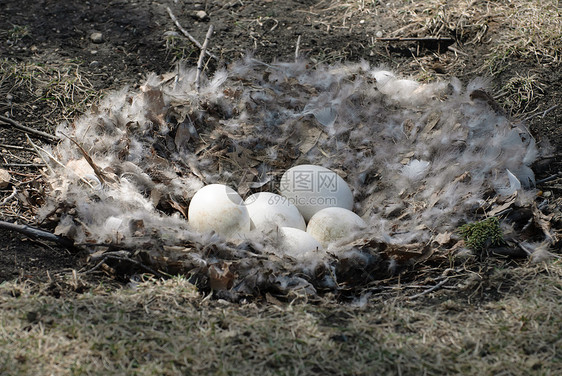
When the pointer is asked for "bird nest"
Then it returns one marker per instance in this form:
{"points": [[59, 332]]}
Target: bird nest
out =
{"points": [[422, 160]]}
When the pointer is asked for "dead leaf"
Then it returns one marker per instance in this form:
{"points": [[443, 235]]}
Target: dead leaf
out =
{"points": [[155, 196], [407, 157], [182, 136], [408, 126], [221, 278], [156, 106], [310, 139], [68, 231], [462, 177], [273, 300], [498, 209], [242, 157], [432, 121], [443, 238], [543, 222], [5, 178], [181, 208], [400, 252], [137, 227], [99, 173]]}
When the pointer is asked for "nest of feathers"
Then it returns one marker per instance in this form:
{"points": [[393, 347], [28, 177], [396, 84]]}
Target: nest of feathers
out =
{"points": [[422, 160]]}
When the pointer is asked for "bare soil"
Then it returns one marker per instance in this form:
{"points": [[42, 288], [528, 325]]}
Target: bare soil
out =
{"points": [[50, 41]]}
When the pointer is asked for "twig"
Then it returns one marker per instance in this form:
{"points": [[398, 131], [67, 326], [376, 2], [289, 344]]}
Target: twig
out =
{"points": [[36, 132], [22, 165], [403, 287], [102, 177], [416, 39], [516, 252], [457, 51], [542, 115], [15, 147], [36, 233], [297, 49], [97, 266], [52, 158], [120, 257], [429, 290], [550, 178], [202, 56], [36, 148], [104, 255], [7, 199], [186, 33]]}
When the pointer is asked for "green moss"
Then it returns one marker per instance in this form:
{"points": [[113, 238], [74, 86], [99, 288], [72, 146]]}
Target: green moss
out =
{"points": [[478, 235]]}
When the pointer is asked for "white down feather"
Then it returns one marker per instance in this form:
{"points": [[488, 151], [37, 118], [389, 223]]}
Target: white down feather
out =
{"points": [[419, 157]]}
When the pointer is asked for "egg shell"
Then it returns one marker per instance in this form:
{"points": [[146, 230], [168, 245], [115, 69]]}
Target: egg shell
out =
{"points": [[333, 224], [298, 243], [312, 188], [218, 208], [269, 211]]}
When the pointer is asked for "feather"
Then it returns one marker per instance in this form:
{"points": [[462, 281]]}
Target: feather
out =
{"points": [[514, 185], [415, 169], [419, 156]]}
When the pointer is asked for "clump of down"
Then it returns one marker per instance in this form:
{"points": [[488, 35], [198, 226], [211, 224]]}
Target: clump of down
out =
{"points": [[420, 158]]}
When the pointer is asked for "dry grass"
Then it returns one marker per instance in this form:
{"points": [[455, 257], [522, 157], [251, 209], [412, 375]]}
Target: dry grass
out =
{"points": [[490, 37], [504, 322], [510, 29], [178, 48], [60, 90], [168, 328], [528, 30], [520, 92]]}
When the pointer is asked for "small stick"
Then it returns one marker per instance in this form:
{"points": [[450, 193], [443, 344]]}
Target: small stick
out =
{"points": [[36, 233], [52, 158], [457, 51], [297, 49], [36, 132], [430, 289], [185, 32], [550, 178], [23, 165], [105, 255], [541, 115], [404, 287], [416, 39], [99, 173], [36, 148], [96, 267], [124, 258], [15, 147], [7, 199], [202, 56]]}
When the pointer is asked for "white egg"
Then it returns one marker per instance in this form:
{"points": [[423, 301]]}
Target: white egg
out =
{"points": [[332, 224], [270, 211], [218, 208], [312, 188], [298, 243]]}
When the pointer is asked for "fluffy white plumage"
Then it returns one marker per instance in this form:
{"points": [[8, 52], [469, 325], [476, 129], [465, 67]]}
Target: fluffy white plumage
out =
{"points": [[415, 169], [419, 157]]}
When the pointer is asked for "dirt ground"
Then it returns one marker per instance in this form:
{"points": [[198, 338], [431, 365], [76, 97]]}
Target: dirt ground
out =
{"points": [[53, 69]]}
